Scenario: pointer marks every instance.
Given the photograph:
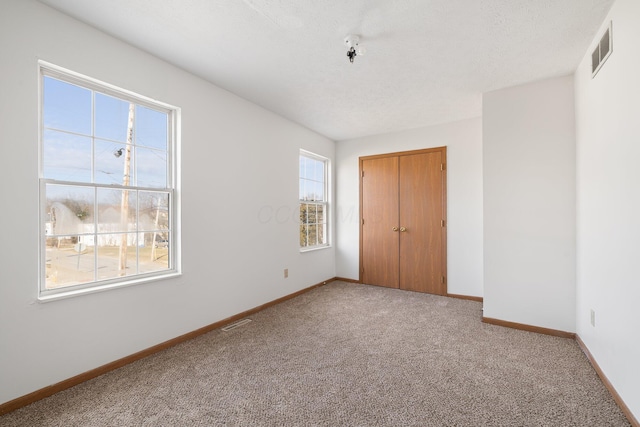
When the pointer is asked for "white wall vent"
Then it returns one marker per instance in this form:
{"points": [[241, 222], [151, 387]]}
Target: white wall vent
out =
{"points": [[234, 325], [602, 51]]}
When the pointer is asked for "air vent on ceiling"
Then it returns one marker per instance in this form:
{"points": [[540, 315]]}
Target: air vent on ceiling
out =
{"points": [[602, 51]]}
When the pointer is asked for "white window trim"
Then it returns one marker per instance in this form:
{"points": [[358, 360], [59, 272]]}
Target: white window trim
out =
{"points": [[174, 178], [326, 202]]}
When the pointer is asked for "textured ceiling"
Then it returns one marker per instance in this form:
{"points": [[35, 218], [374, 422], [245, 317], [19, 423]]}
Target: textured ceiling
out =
{"points": [[427, 61]]}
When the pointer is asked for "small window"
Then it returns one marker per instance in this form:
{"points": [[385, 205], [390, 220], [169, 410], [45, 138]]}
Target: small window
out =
{"points": [[314, 204], [107, 186]]}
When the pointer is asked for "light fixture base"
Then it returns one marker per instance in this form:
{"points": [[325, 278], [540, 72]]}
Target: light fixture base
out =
{"points": [[352, 41]]}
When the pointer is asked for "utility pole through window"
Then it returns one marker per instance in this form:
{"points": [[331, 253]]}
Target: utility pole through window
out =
{"points": [[126, 180]]}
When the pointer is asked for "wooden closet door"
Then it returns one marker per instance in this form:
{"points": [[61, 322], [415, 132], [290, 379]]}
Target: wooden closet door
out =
{"points": [[421, 216], [380, 243]]}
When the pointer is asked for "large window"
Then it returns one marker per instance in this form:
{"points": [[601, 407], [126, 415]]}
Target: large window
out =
{"points": [[107, 186], [313, 201]]}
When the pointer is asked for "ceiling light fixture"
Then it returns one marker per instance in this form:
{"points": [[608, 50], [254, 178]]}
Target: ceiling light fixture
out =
{"points": [[354, 48]]}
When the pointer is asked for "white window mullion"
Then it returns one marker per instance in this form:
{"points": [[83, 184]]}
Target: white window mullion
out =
{"points": [[96, 214], [93, 136]]}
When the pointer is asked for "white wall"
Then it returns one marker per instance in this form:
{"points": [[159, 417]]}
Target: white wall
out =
{"points": [[529, 204], [608, 209], [464, 197], [239, 163]]}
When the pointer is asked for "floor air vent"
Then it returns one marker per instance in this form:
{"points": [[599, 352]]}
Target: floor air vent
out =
{"points": [[602, 51], [235, 325]]}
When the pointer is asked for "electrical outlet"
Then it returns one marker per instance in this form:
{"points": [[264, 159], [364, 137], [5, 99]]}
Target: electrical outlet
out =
{"points": [[593, 318], [286, 273]]}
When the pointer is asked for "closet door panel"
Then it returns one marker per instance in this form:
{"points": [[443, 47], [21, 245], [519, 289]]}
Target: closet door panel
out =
{"points": [[421, 215], [380, 242]]}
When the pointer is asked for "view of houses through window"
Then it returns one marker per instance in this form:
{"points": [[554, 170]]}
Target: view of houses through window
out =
{"points": [[106, 184]]}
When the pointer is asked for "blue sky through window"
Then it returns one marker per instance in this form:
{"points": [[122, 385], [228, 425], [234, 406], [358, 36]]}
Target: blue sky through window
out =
{"points": [[66, 107], [311, 178], [83, 129]]}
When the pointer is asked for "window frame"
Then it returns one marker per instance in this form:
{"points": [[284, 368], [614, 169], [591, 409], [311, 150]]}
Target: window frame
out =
{"points": [[172, 187], [326, 202]]}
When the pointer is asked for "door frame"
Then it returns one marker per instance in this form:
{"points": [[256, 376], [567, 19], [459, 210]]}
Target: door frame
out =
{"points": [[443, 151]]}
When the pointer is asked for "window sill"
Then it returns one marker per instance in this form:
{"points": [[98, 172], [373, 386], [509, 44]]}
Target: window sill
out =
{"points": [[48, 297], [314, 248]]}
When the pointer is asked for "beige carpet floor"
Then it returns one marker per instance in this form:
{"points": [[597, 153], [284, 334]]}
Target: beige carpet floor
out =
{"points": [[347, 355]]}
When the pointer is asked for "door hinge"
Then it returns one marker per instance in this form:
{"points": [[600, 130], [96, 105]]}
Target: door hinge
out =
{"points": [[442, 223], [442, 279], [362, 221], [441, 166], [362, 174]]}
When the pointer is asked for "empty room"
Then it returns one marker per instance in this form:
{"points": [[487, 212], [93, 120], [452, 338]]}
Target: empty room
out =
{"points": [[364, 213]]}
